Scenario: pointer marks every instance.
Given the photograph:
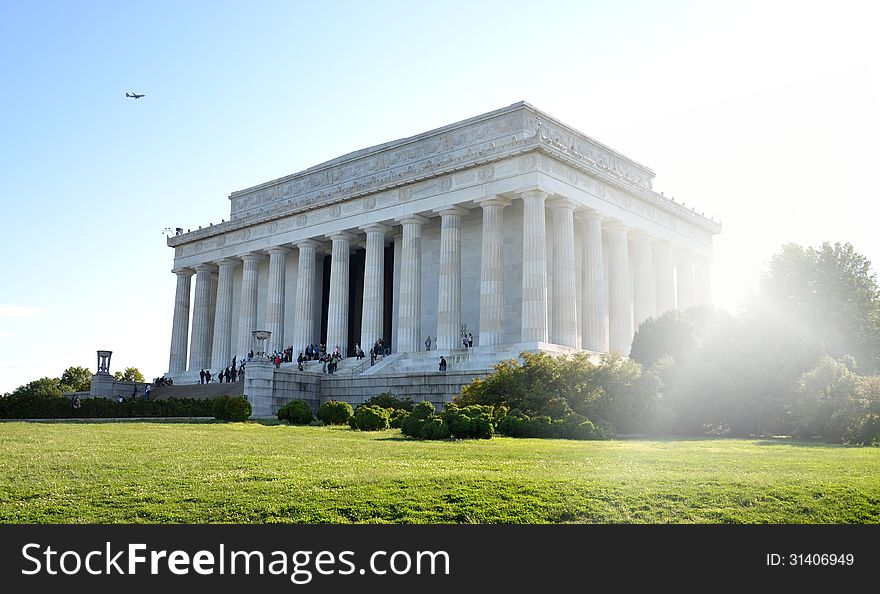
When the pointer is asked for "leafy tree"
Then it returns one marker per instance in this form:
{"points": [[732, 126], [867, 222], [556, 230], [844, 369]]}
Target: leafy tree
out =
{"points": [[46, 387], [76, 379], [674, 334], [131, 374], [831, 291], [615, 392], [827, 403]]}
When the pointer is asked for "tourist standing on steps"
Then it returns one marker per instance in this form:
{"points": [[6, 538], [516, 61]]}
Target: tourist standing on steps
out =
{"points": [[428, 344], [442, 363], [470, 340], [202, 376]]}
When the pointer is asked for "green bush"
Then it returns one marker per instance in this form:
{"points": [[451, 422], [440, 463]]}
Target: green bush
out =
{"points": [[469, 422], [433, 428], [398, 416], [370, 418], [335, 412], [232, 408], [387, 400], [296, 412], [413, 423], [573, 426]]}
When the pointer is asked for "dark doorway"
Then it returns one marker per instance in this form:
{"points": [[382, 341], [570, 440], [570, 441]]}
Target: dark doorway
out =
{"points": [[389, 294], [356, 265], [325, 297]]}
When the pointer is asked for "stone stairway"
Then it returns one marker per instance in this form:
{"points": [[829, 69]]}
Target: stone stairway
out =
{"points": [[212, 390]]}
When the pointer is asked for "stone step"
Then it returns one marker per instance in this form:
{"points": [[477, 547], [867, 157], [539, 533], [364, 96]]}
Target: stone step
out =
{"points": [[212, 390]]}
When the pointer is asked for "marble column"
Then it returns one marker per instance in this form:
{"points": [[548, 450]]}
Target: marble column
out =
{"points": [[620, 314], [180, 321], [664, 269], [212, 311], [275, 298], [200, 339], [563, 330], [644, 284], [449, 285], [221, 351], [397, 239], [304, 308], [247, 310], [684, 267], [534, 277], [337, 305], [492, 272], [703, 280], [410, 306], [373, 309], [594, 288]]}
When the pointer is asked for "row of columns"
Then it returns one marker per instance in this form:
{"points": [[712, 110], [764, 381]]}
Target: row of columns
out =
{"points": [[627, 297]]}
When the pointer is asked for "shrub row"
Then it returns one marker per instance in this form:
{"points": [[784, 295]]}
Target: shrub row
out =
{"points": [[56, 407]]}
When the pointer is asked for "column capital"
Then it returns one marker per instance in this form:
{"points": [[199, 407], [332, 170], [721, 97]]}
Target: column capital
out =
{"points": [[226, 262], [588, 214], [205, 267], [187, 272], [557, 202], [412, 220], [375, 228], [534, 194], [493, 201], [451, 210], [640, 235], [340, 236], [251, 257], [615, 225], [307, 243], [277, 249]]}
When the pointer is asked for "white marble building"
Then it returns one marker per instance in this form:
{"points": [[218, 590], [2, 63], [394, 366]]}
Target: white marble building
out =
{"points": [[531, 233]]}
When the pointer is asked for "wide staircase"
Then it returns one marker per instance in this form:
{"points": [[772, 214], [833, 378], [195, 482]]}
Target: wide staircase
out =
{"points": [[212, 390]]}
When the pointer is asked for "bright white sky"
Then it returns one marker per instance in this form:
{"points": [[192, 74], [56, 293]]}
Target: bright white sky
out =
{"points": [[762, 114]]}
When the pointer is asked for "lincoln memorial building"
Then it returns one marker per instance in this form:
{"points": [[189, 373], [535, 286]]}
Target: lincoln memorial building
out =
{"points": [[509, 226]]}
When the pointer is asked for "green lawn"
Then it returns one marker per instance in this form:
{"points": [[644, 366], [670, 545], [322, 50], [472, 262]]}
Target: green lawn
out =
{"points": [[252, 473]]}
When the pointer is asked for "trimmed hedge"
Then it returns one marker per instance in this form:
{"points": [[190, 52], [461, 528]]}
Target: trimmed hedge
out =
{"points": [[334, 412], [232, 408], [482, 422], [388, 400], [519, 424], [296, 412], [57, 407], [370, 418]]}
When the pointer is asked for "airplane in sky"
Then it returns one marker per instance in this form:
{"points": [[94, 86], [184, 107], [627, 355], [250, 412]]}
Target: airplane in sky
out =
{"points": [[133, 95]]}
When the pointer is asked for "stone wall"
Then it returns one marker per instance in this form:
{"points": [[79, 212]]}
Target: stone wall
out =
{"points": [[268, 388]]}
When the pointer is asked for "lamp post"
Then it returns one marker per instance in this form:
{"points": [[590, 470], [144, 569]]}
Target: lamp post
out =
{"points": [[261, 336]]}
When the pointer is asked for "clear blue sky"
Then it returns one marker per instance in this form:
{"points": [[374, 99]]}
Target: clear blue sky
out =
{"points": [[761, 114]]}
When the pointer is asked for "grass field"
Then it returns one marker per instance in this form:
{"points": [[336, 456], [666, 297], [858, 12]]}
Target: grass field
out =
{"points": [[255, 473]]}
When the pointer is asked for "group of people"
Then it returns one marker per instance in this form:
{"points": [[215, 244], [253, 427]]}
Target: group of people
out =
{"points": [[379, 348], [229, 375]]}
